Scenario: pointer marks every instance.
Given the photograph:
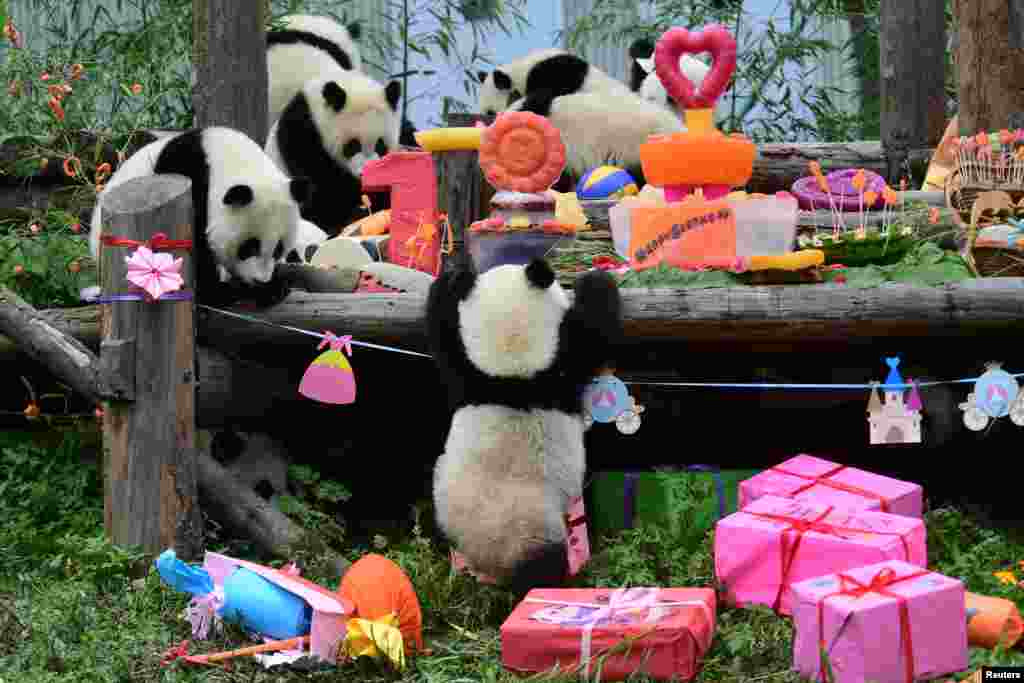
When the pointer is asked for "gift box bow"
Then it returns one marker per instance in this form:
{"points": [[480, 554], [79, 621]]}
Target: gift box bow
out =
{"points": [[879, 584], [621, 600], [825, 479]]}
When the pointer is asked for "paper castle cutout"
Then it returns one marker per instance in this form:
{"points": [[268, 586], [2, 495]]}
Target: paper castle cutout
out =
{"points": [[898, 419]]}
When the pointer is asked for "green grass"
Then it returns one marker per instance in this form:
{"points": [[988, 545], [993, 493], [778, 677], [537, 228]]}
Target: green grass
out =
{"points": [[70, 612]]}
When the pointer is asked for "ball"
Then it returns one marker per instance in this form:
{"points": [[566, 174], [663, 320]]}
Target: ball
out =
{"points": [[606, 182]]}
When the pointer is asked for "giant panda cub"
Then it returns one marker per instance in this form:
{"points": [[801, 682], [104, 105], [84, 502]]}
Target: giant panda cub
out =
{"points": [[307, 47], [645, 82], [329, 130], [601, 128], [515, 357], [551, 69], [245, 210]]}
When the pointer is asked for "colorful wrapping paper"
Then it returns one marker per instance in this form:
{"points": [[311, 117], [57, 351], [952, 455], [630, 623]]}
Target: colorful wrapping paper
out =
{"points": [[890, 622], [805, 477], [573, 629], [774, 542], [577, 542]]}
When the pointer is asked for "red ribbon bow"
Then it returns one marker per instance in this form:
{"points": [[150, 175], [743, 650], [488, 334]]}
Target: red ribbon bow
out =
{"points": [[851, 587], [824, 480], [787, 552], [157, 241]]}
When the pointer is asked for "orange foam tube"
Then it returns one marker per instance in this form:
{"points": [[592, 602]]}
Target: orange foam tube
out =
{"points": [[994, 619]]}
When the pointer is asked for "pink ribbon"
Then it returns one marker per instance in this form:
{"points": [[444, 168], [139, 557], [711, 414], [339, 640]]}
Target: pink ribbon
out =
{"points": [[337, 343], [202, 611], [620, 599]]}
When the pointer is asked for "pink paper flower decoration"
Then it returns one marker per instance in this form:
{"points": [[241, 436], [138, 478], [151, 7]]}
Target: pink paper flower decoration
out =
{"points": [[156, 273]]}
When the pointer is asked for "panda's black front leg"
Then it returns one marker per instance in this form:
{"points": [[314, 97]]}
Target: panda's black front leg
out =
{"points": [[596, 325], [267, 294]]}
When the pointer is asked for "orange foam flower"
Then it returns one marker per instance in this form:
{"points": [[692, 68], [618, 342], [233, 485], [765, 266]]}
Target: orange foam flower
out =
{"points": [[933, 216], [55, 107], [72, 166], [870, 197], [858, 180]]}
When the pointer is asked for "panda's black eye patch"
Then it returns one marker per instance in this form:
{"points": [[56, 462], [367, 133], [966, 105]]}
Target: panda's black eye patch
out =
{"points": [[238, 195], [352, 148], [490, 112], [279, 250], [382, 148], [293, 256], [249, 249]]}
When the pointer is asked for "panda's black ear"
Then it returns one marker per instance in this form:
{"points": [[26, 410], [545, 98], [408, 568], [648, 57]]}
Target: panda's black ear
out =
{"points": [[514, 97], [355, 30], [301, 189], [539, 274], [238, 196], [392, 92], [481, 76], [334, 95], [502, 80]]}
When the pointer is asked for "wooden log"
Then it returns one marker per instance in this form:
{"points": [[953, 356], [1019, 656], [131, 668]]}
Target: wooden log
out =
{"points": [[229, 59], [989, 69], [778, 166], [150, 484], [794, 314], [464, 193], [66, 356], [912, 53]]}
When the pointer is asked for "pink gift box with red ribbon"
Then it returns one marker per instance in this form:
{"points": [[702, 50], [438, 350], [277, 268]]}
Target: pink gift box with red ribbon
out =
{"points": [[578, 544], [571, 629], [805, 477], [889, 622], [774, 542]]}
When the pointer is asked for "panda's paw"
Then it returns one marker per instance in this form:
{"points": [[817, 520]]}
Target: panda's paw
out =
{"points": [[267, 295]]}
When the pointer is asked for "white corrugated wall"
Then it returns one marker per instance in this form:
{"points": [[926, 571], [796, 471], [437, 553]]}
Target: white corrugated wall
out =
{"points": [[608, 56]]}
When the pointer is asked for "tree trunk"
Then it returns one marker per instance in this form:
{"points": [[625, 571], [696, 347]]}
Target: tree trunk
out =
{"points": [[990, 70], [148, 351], [229, 58], [912, 63], [865, 52]]}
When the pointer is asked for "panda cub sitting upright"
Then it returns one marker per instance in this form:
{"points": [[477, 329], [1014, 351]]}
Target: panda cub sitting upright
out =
{"points": [[327, 133], [551, 69], [515, 358], [245, 210]]}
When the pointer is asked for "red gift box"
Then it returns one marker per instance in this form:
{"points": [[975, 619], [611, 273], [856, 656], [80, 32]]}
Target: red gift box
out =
{"points": [[572, 629]]}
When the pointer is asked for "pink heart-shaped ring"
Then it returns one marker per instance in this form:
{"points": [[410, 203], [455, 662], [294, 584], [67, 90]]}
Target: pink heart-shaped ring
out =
{"points": [[674, 43]]}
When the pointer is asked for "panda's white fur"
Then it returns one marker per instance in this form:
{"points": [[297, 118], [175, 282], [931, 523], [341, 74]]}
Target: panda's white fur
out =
{"points": [[515, 356], [552, 69], [603, 128], [245, 209], [307, 239], [307, 47], [330, 129], [652, 88]]}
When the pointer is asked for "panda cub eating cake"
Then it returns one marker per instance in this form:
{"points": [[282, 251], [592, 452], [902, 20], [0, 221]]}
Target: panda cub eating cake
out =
{"points": [[515, 357]]}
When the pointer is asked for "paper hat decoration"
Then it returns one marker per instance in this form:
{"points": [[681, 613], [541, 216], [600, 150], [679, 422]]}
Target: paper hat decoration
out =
{"points": [[329, 378]]}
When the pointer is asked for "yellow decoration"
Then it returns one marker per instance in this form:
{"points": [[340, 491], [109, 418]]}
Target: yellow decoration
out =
{"points": [[449, 139], [374, 637], [797, 260], [518, 222], [700, 120], [568, 209]]}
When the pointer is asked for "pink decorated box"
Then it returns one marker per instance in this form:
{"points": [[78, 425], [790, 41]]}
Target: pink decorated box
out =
{"points": [[890, 622], [577, 630], [578, 543], [775, 542], [805, 477]]}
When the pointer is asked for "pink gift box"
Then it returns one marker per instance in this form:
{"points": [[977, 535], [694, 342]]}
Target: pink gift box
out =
{"points": [[578, 543], [805, 477], [774, 542], [889, 622], [570, 629]]}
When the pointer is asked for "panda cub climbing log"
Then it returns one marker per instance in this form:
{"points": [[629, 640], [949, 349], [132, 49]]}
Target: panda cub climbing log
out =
{"points": [[515, 357]]}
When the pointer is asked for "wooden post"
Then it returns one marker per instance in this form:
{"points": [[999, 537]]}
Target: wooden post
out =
{"points": [[464, 193], [990, 69], [150, 479], [229, 61], [912, 62]]}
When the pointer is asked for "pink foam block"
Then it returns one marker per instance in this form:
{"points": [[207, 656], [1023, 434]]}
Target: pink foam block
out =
{"points": [[754, 546], [864, 634], [577, 542], [805, 477]]}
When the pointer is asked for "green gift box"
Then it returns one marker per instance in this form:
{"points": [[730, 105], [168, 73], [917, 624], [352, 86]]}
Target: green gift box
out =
{"points": [[687, 500]]}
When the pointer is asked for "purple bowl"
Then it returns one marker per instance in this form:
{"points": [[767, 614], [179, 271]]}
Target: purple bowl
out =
{"points": [[844, 196], [492, 248]]}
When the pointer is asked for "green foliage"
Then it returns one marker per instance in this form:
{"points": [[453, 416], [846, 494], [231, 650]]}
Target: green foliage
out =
{"points": [[46, 261], [316, 508], [925, 265], [664, 275]]}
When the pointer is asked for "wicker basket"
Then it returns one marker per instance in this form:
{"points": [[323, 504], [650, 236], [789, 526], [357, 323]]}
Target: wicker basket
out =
{"points": [[961, 194]]}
